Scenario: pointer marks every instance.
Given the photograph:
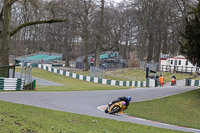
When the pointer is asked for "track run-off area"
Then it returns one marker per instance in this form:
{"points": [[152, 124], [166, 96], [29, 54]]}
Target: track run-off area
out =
{"points": [[93, 103]]}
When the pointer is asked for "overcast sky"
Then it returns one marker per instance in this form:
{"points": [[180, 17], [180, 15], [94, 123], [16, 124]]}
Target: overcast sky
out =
{"points": [[117, 0]]}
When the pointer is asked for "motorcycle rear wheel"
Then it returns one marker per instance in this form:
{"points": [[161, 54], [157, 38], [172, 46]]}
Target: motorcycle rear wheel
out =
{"points": [[114, 110]]}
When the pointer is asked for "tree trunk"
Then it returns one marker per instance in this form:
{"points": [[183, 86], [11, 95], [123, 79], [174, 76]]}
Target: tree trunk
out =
{"points": [[165, 37], [164, 50], [125, 53], [100, 36], [151, 46], [67, 58], [1, 36], [5, 36], [97, 55], [86, 41], [158, 47], [129, 51]]}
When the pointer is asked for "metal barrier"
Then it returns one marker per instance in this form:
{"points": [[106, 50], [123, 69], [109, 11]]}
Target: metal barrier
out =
{"points": [[151, 66], [29, 83], [96, 72], [28, 74], [7, 71], [11, 84], [191, 82]]}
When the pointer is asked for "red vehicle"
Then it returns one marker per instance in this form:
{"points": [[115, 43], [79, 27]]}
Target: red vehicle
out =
{"points": [[173, 82]]}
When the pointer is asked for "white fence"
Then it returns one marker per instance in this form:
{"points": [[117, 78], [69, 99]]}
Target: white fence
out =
{"points": [[181, 69]]}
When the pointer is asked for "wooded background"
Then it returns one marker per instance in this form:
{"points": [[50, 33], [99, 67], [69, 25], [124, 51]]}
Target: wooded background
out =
{"points": [[144, 27]]}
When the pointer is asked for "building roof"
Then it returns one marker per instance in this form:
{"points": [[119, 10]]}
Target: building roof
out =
{"points": [[178, 57], [172, 57]]}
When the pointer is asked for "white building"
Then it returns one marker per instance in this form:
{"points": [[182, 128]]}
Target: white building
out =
{"points": [[177, 63]]}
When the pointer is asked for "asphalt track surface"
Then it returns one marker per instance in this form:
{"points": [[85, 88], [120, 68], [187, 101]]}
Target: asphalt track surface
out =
{"points": [[92, 103], [39, 80]]}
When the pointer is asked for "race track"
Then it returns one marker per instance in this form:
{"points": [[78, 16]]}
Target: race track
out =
{"points": [[87, 102], [39, 80]]}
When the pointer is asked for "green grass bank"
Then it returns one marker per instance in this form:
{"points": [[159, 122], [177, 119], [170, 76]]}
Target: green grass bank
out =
{"points": [[181, 109], [16, 118]]}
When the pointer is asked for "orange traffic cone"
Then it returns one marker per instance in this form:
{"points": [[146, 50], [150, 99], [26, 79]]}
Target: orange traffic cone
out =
{"points": [[132, 87]]}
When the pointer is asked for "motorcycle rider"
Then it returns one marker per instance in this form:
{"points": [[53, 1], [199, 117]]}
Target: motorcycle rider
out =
{"points": [[174, 77], [126, 99]]}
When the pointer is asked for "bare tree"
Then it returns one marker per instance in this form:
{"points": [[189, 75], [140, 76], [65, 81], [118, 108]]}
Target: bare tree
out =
{"points": [[100, 35], [6, 33], [84, 10], [151, 26]]}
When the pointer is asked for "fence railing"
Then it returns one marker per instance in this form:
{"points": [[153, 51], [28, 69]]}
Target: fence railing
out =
{"points": [[169, 68], [180, 69], [96, 72], [28, 74], [151, 66], [7, 71]]}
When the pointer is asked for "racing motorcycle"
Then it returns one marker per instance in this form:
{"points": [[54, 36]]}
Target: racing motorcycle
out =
{"points": [[173, 82], [116, 107]]}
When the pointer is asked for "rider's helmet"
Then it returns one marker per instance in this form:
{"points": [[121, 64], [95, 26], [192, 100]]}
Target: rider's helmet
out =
{"points": [[128, 98]]}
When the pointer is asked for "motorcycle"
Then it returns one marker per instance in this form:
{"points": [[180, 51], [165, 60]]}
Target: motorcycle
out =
{"points": [[173, 82], [116, 107]]}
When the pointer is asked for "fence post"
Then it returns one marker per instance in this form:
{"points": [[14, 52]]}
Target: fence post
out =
{"points": [[156, 83], [147, 82], [182, 69], [186, 82], [147, 72], [34, 85], [170, 68], [13, 71], [189, 82]]}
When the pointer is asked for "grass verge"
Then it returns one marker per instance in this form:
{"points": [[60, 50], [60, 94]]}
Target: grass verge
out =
{"points": [[127, 74], [68, 84], [181, 109], [135, 74], [17, 118], [197, 78]]}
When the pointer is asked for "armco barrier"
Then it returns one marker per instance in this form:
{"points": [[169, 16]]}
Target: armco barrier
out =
{"points": [[190, 82], [11, 84], [147, 83]]}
